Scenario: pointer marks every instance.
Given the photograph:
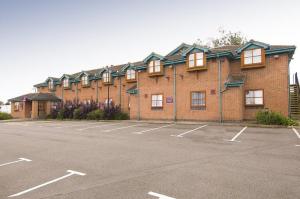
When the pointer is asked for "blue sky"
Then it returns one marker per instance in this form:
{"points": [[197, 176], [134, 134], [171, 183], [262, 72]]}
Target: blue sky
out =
{"points": [[41, 38]]}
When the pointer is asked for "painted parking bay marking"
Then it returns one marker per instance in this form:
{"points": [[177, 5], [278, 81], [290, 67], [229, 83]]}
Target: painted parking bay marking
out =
{"points": [[160, 196], [237, 135], [153, 129], [70, 173], [99, 126], [296, 132], [182, 134], [124, 127], [13, 162]]}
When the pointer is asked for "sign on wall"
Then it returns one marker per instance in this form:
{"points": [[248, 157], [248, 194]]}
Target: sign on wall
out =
{"points": [[169, 100]]}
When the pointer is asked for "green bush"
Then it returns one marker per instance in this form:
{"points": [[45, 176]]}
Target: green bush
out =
{"points": [[77, 114], [5, 116], [275, 118], [95, 115], [121, 116], [60, 115]]}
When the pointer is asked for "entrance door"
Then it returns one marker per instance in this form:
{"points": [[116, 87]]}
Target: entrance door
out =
{"points": [[42, 110]]}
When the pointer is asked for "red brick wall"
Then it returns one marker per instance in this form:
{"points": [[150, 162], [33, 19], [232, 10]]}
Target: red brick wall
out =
{"points": [[272, 79]]}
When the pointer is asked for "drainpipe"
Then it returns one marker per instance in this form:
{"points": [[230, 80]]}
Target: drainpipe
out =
{"points": [[138, 97], [97, 91], [120, 92], [174, 93], [288, 85], [62, 94], [76, 92], [220, 89]]}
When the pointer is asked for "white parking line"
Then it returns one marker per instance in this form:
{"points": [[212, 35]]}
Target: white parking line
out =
{"points": [[160, 196], [124, 127], [144, 131], [237, 135], [99, 126], [297, 145], [84, 124], [13, 162], [181, 135], [296, 132], [71, 172]]}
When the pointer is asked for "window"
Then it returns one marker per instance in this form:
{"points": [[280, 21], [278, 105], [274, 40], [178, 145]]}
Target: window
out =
{"points": [[254, 97], [84, 80], [66, 83], [106, 77], [198, 100], [196, 60], [253, 56], [130, 74], [157, 101], [51, 84], [154, 66], [17, 106]]}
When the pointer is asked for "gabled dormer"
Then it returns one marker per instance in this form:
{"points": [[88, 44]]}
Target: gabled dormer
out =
{"points": [[84, 78], [179, 50], [195, 57], [130, 72], [106, 76], [51, 82], [253, 54], [154, 64], [65, 80]]}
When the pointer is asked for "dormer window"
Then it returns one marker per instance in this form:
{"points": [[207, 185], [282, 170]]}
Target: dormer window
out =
{"points": [[154, 66], [253, 56], [84, 80], [106, 77], [196, 60], [66, 83], [130, 74], [51, 84]]}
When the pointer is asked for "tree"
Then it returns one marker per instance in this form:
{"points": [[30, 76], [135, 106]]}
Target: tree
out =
{"points": [[228, 38], [1, 104], [225, 38]]}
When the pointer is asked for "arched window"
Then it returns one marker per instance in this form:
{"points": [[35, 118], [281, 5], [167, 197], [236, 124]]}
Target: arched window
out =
{"points": [[154, 66], [196, 60], [84, 80], [106, 77], [130, 74]]}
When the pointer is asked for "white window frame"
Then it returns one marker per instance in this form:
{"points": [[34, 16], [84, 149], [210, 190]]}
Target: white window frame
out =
{"points": [[85, 80], [202, 99], [252, 54], [66, 83], [157, 100], [254, 97], [106, 77], [196, 60], [130, 74], [51, 84], [154, 66]]}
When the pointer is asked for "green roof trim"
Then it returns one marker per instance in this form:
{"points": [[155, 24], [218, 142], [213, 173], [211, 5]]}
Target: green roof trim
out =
{"points": [[153, 55], [253, 43], [234, 84], [133, 90]]}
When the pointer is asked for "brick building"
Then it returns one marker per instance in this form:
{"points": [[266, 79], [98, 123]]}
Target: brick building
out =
{"points": [[192, 82]]}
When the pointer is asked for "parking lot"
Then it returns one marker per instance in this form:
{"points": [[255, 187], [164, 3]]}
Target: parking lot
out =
{"points": [[132, 160]]}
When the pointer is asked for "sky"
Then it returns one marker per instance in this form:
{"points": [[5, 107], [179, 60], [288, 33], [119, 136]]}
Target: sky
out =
{"points": [[43, 38]]}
